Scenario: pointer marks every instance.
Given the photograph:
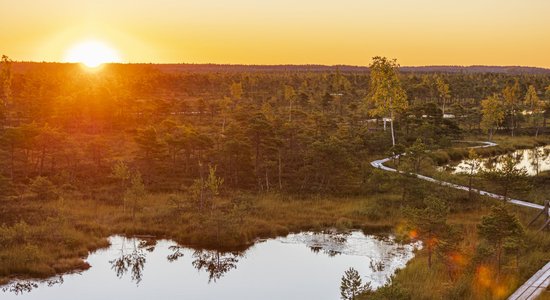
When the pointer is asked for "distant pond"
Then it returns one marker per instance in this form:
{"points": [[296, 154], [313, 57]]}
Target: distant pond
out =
{"points": [[299, 266], [534, 161]]}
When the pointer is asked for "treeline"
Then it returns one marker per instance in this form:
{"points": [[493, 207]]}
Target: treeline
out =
{"points": [[298, 132], [224, 68]]}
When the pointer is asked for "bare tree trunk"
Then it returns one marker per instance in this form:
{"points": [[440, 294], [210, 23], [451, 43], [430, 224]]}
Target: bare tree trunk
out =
{"points": [[392, 132]]}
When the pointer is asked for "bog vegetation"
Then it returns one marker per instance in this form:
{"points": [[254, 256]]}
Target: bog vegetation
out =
{"points": [[216, 159]]}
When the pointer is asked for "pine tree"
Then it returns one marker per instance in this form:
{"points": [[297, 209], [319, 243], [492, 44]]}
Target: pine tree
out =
{"points": [[135, 192], [507, 176], [121, 173], [149, 143], [351, 285], [429, 224], [5, 88], [43, 188], [415, 154], [501, 229]]}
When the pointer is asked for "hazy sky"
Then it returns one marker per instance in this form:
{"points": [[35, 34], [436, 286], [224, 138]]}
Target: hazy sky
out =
{"points": [[416, 32]]}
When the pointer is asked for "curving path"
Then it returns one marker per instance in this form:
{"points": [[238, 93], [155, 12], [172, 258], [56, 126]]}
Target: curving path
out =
{"points": [[533, 287]]}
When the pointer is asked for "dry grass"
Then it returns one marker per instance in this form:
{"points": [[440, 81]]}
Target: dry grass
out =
{"points": [[45, 238]]}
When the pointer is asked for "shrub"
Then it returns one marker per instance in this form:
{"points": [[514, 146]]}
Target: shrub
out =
{"points": [[457, 154], [43, 188], [440, 157]]}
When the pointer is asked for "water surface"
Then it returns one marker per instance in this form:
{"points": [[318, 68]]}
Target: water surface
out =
{"points": [[533, 161], [300, 266]]}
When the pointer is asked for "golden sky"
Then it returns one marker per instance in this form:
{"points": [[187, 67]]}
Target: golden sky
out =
{"points": [[416, 32]]}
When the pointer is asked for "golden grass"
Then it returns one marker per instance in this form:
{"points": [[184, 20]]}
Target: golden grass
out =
{"points": [[52, 237]]}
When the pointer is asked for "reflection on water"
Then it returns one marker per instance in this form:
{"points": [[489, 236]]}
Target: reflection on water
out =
{"points": [[20, 287], [300, 266], [215, 263], [131, 259], [25, 286], [328, 243], [533, 161]]}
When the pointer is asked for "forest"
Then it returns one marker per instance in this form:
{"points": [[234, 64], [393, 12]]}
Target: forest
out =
{"points": [[216, 157]]}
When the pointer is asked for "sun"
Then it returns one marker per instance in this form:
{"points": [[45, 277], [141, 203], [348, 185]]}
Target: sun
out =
{"points": [[92, 54]]}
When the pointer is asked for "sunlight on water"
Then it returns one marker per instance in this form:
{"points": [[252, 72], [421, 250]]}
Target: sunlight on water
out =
{"points": [[532, 160]]}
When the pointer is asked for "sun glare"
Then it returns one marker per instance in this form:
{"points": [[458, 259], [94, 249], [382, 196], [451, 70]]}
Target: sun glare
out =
{"points": [[92, 54]]}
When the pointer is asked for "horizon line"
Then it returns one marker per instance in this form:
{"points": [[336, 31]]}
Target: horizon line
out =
{"points": [[282, 64]]}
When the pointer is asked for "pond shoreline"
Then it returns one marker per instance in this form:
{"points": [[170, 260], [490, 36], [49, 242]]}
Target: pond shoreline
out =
{"points": [[84, 266], [502, 146], [384, 253], [523, 156]]}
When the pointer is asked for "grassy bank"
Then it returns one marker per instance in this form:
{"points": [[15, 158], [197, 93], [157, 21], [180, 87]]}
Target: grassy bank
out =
{"points": [[471, 279], [43, 238]]}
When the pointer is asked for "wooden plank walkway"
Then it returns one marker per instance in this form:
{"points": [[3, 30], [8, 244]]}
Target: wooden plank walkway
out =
{"points": [[533, 287]]}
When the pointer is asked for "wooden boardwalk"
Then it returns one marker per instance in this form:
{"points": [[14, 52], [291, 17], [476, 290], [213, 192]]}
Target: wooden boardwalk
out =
{"points": [[533, 287]]}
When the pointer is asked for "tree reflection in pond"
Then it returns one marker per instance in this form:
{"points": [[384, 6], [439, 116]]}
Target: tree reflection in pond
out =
{"points": [[537, 157], [21, 287], [216, 263], [134, 261], [328, 243], [55, 281], [534, 161], [176, 271], [178, 252]]}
